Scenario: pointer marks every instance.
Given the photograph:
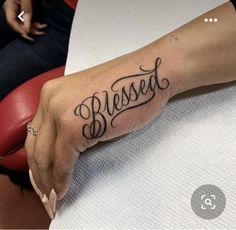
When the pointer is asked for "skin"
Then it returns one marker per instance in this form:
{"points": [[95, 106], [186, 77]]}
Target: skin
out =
{"points": [[12, 8], [194, 55]]}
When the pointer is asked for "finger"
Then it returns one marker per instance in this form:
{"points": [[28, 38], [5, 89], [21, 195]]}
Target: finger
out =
{"points": [[27, 37], [29, 146], [30, 142], [53, 200], [44, 155], [36, 27], [43, 198], [64, 162], [26, 6], [36, 172], [17, 27], [35, 186], [39, 26], [36, 32], [30, 139], [11, 17]]}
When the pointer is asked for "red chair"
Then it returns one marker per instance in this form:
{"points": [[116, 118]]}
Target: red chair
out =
{"points": [[16, 110]]}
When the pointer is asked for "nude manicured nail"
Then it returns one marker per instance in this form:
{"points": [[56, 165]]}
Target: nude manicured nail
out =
{"points": [[39, 193], [53, 200], [46, 203], [43, 198]]}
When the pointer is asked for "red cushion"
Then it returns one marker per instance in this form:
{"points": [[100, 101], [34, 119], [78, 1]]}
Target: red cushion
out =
{"points": [[16, 161], [16, 110], [71, 3]]}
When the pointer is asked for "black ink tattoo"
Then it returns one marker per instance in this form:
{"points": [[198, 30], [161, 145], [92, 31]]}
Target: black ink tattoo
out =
{"points": [[126, 93]]}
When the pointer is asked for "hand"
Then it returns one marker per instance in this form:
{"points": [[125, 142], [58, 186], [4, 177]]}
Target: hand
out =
{"points": [[12, 8], [68, 124], [52, 165]]}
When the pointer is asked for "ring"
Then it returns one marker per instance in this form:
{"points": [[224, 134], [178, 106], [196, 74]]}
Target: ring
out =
{"points": [[31, 129]]}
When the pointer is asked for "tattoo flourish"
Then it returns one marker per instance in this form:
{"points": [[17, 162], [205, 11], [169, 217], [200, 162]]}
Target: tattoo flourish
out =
{"points": [[125, 93]]}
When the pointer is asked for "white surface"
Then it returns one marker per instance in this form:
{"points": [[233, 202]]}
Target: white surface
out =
{"points": [[146, 179], [104, 29]]}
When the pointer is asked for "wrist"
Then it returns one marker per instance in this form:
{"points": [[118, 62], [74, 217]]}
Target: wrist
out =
{"points": [[197, 53], [177, 64]]}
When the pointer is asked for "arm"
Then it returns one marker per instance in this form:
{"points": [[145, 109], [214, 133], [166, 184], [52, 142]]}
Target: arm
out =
{"points": [[124, 94], [12, 9]]}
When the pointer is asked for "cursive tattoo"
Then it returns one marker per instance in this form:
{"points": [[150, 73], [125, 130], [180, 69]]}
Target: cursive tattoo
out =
{"points": [[125, 93]]}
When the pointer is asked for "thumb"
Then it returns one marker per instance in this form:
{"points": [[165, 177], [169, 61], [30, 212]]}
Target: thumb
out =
{"points": [[26, 6]]}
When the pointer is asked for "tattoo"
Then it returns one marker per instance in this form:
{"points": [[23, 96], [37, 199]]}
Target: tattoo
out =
{"points": [[126, 93], [173, 38]]}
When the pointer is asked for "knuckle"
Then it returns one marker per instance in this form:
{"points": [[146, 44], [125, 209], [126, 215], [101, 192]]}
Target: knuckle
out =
{"points": [[30, 159], [61, 189], [64, 121], [42, 166], [47, 87], [27, 146], [62, 171], [52, 105], [67, 128], [48, 95], [51, 85], [61, 167], [40, 162]]}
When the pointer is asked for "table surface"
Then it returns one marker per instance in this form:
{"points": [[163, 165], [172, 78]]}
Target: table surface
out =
{"points": [[146, 179]]}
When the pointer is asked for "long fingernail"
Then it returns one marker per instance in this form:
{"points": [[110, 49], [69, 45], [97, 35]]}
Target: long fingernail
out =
{"points": [[42, 26], [46, 203], [53, 200], [27, 37], [39, 193]]}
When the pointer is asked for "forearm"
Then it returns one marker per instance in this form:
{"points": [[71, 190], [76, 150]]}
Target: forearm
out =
{"points": [[196, 54], [204, 53]]}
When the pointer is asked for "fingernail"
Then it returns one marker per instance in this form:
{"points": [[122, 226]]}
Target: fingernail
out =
{"points": [[53, 200], [44, 199], [28, 38], [38, 192], [44, 25], [38, 33], [46, 204]]}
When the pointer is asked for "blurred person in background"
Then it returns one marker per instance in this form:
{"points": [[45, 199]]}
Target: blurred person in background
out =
{"points": [[34, 46]]}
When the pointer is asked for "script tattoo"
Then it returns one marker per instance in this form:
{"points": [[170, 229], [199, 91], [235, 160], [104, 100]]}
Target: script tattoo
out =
{"points": [[126, 93]]}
